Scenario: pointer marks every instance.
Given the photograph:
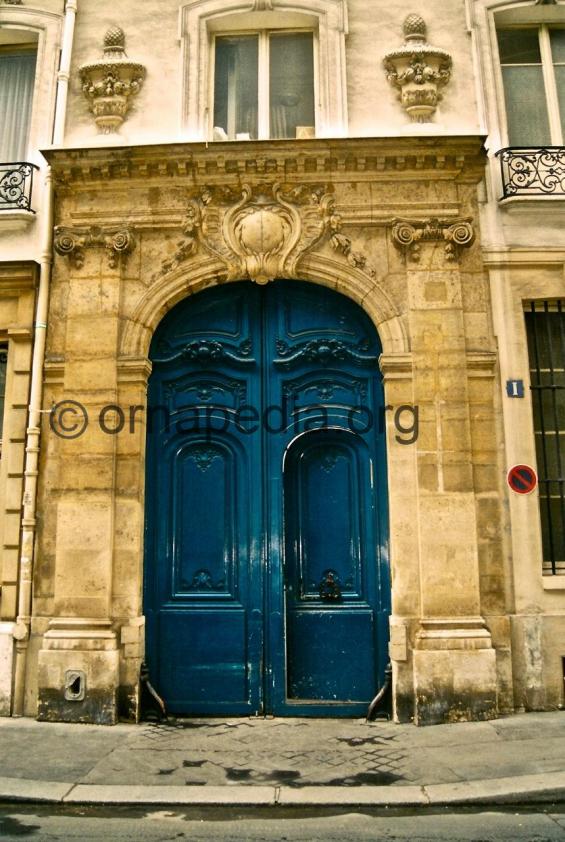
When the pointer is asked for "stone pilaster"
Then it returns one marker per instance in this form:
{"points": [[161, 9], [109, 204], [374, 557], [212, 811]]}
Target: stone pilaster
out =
{"points": [[454, 661], [78, 661]]}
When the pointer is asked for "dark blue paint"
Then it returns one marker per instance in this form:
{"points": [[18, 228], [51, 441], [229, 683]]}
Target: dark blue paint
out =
{"points": [[242, 527]]}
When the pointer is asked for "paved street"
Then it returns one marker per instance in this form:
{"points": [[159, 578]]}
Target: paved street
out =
{"points": [[91, 825], [290, 753]]}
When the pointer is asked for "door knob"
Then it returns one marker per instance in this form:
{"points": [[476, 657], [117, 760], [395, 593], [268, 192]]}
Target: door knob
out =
{"points": [[329, 588]]}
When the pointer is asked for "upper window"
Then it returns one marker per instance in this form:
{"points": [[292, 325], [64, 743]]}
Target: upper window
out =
{"points": [[17, 77], [263, 70], [264, 86], [533, 72]]}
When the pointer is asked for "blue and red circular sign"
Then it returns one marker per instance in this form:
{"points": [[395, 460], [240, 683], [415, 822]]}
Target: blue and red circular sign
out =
{"points": [[522, 479]]}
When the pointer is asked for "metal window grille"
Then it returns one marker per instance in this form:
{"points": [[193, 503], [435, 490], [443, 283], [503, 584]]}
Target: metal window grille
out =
{"points": [[545, 324]]}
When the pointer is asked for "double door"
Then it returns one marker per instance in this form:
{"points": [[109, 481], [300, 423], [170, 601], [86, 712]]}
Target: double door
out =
{"points": [[266, 572]]}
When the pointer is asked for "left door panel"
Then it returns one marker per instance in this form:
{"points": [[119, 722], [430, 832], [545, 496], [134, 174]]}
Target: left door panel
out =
{"points": [[203, 591]]}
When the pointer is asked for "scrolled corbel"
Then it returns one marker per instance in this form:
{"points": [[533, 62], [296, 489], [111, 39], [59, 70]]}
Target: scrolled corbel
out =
{"points": [[119, 243], [70, 243]]}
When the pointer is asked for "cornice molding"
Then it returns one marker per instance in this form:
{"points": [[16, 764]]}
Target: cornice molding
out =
{"points": [[338, 160], [519, 257], [134, 370], [396, 366], [481, 363], [17, 277]]}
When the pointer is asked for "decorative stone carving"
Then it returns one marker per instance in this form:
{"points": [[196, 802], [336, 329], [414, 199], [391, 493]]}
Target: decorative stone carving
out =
{"points": [[109, 83], [119, 242], [418, 70], [408, 234], [262, 235]]}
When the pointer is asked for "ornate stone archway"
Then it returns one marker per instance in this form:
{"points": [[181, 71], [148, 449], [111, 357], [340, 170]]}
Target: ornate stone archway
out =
{"points": [[389, 223]]}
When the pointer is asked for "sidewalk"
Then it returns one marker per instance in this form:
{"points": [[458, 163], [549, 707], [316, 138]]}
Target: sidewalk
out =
{"points": [[285, 762]]}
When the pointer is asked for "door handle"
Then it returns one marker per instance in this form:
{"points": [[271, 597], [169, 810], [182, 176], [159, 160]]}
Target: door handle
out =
{"points": [[329, 588]]}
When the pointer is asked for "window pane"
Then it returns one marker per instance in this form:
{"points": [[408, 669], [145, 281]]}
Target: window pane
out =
{"points": [[292, 84], [519, 46], [558, 45], [526, 107], [235, 87], [17, 73], [560, 81]]}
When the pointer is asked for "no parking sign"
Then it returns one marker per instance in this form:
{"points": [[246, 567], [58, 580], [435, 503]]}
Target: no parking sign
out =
{"points": [[522, 479]]}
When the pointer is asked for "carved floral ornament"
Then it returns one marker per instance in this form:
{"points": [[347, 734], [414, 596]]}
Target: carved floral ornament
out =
{"points": [[418, 70], [262, 233], [111, 82], [118, 242]]}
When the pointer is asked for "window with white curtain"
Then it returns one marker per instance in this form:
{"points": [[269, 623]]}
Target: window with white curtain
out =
{"points": [[533, 73], [264, 86], [17, 76]]}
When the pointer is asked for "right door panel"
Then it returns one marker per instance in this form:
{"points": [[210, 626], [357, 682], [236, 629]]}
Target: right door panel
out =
{"points": [[330, 570]]}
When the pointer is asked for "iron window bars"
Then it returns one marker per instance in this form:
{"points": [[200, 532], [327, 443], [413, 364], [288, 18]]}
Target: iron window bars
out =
{"points": [[531, 171], [16, 183], [545, 325]]}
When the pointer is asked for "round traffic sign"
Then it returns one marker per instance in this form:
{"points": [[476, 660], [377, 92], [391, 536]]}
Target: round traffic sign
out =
{"points": [[522, 479]]}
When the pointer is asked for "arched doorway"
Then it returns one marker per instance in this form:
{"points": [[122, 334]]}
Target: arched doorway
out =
{"points": [[266, 572]]}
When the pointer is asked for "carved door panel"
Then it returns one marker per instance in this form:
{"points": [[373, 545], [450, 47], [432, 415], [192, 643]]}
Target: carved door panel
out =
{"points": [[328, 579], [266, 567], [203, 586]]}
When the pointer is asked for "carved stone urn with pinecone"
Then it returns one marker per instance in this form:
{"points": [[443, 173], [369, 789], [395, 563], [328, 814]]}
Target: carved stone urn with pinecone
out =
{"points": [[111, 82], [418, 70]]}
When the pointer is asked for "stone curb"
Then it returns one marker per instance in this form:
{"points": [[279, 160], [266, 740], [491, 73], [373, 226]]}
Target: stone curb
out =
{"points": [[522, 789]]}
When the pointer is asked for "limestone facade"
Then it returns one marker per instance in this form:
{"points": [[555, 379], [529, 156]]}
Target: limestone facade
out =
{"points": [[403, 217]]}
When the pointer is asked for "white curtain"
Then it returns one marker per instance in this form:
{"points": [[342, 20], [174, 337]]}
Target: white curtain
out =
{"points": [[17, 73]]}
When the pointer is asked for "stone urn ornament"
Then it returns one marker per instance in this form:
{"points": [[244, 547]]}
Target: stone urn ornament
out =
{"points": [[418, 70], [109, 83]]}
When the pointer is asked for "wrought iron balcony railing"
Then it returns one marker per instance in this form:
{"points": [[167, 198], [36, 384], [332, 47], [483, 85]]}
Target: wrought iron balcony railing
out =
{"points": [[16, 183], [532, 171]]}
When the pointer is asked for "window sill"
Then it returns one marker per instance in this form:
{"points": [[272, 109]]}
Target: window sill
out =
{"points": [[530, 202], [554, 582], [16, 220]]}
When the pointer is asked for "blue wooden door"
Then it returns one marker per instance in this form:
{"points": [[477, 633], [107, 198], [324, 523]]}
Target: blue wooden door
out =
{"points": [[267, 585]]}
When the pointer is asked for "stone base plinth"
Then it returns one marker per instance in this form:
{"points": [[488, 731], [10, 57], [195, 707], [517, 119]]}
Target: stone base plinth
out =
{"points": [[6, 667], [78, 672], [454, 672]]}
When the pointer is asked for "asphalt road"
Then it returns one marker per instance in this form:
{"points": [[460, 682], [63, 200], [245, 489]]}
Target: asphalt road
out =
{"points": [[261, 825]]}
